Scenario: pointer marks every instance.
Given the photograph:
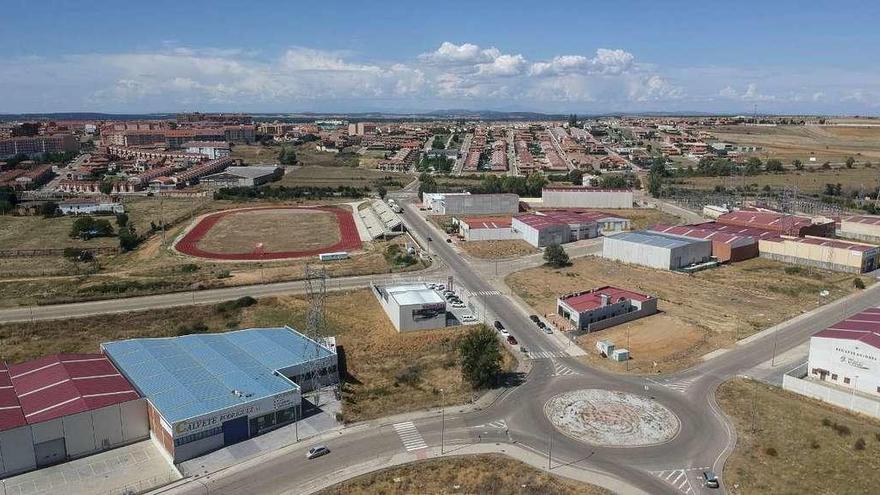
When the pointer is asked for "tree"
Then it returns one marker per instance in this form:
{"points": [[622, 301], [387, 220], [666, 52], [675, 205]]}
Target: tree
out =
{"points": [[576, 177], [88, 227], [850, 162], [128, 240], [381, 191], [106, 187], [858, 283], [427, 184], [535, 182], [555, 256], [287, 156], [798, 165], [48, 209], [6, 206], [613, 181], [753, 166], [655, 176], [480, 357], [774, 165], [121, 219]]}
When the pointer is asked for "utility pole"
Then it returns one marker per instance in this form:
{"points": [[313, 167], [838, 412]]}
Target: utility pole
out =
{"points": [[550, 452], [442, 418], [754, 403], [775, 342]]}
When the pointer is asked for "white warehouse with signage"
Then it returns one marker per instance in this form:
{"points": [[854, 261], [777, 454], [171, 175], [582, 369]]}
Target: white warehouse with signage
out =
{"points": [[412, 307], [207, 391]]}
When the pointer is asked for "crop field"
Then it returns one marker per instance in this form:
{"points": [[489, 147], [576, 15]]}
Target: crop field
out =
{"points": [[787, 443], [483, 474], [825, 143], [270, 233], [698, 313]]}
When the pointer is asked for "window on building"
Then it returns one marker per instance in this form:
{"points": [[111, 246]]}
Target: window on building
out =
{"points": [[262, 423], [197, 436], [846, 380], [834, 376], [285, 415]]}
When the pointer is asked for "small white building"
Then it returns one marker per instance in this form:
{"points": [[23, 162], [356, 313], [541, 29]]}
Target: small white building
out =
{"points": [[90, 206], [586, 197], [412, 307], [212, 149], [554, 227], [486, 229], [656, 250], [847, 354]]}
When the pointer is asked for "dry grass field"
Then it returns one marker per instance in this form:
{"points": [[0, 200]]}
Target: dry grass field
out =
{"points": [[375, 354], [699, 313], [825, 143], [791, 450], [811, 180], [277, 230], [329, 176], [497, 250], [482, 474]]}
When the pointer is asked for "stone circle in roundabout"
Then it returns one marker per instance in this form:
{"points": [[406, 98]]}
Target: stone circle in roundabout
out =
{"points": [[612, 419]]}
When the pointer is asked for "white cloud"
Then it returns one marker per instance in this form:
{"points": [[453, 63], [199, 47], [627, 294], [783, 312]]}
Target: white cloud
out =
{"points": [[466, 53], [606, 61], [503, 65]]}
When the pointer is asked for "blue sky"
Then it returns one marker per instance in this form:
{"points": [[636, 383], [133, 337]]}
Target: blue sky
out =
{"points": [[157, 56]]}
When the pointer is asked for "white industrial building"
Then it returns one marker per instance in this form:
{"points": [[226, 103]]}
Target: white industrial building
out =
{"points": [[212, 149], [65, 406], [847, 354], [431, 201], [243, 176], [586, 197], [412, 307], [476, 204], [542, 229], [655, 250], [89, 206], [486, 229]]}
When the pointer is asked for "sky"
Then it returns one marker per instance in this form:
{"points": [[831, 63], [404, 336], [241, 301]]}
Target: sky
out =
{"points": [[778, 56]]}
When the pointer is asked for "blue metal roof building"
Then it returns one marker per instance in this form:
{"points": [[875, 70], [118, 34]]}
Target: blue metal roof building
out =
{"points": [[198, 383], [656, 250]]}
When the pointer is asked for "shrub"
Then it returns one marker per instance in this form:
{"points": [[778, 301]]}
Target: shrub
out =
{"points": [[88, 227], [411, 375], [76, 254], [230, 306], [814, 444], [826, 422], [841, 430], [792, 270], [771, 452], [877, 436], [480, 356], [223, 274], [858, 283], [198, 327], [555, 256], [189, 268], [860, 444]]}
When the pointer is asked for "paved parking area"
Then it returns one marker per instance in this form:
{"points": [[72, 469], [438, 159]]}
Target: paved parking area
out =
{"points": [[134, 468]]}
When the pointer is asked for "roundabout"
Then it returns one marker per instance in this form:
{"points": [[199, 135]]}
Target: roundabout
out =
{"points": [[612, 419]]}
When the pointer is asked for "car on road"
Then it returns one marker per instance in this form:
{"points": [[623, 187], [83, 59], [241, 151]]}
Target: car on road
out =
{"points": [[498, 325], [458, 305], [317, 451], [534, 318], [523, 349], [468, 318], [511, 340], [449, 240], [710, 479], [541, 325], [429, 237], [547, 330]]}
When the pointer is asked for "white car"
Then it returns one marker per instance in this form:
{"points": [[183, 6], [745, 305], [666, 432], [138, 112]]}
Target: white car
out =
{"points": [[458, 305], [468, 318], [317, 452], [504, 332]]}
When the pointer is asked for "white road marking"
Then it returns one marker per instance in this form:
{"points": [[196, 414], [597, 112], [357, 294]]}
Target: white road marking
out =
{"points": [[678, 478], [410, 436], [501, 424], [487, 293], [560, 369], [546, 354]]}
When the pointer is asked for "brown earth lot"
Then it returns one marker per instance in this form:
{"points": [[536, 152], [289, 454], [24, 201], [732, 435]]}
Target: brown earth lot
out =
{"points": [[497, 250], [375, 353], [699, 313], [790, 450], [808, 181], [481, 474], [826, 143], [277, 230]]}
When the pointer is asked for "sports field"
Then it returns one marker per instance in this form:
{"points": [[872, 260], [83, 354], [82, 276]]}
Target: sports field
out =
{"points": [[270, 233]]}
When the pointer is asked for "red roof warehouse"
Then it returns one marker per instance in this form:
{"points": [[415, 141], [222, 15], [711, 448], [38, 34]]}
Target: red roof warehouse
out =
{"points": [[64, 406]]}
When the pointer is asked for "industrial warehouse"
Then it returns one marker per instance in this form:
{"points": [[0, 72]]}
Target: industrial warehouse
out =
{"points": [[819, 252], [860, 227], [412, 307], [725, 247], [586, 197], [604, 307], [656, 250], [206, 391], [554, 227], [65, 406], [486, 229], [778, 222], [475, 204]]}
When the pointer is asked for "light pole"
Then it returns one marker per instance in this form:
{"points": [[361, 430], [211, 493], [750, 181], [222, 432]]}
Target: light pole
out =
{"points": [[442, 418], [754, 402], [775, 342], [550, 452], [852, 397]]}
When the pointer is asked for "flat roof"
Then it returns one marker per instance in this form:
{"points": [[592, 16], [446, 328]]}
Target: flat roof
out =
{"points": [[732, 239], [405, 295], [193, 375], [820, 241], [655, 239], [487, 222], [59, 385], [862, 327], [593, 299], [555, 217], [767, 220], [583, 189], [865, 219]]}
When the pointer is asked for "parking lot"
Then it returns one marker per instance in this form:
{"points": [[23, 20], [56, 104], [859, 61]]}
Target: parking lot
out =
{"points": [[460, 310]]}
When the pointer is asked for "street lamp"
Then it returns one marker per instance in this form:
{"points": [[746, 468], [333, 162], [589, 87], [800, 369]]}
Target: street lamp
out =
{"points": [[442, 417]]}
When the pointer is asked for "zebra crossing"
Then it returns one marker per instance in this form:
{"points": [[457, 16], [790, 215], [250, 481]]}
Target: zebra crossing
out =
{"points": [[546, 354], [487, 293], [680, 478], [680, 385], [410, 436], [500, 424], [560, 369]]}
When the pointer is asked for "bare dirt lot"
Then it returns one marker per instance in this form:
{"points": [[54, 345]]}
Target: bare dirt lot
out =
{"points": [[276, 230], [482, 474], [699, 313], [811, 180], [825, 143], [497, 250], [798, 445]]}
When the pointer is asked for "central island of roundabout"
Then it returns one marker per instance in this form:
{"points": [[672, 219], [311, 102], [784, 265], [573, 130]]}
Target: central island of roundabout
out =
{"points": [[270, 233], [612, 419]]}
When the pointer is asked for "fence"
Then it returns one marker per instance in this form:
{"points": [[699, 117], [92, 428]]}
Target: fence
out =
{"points": [[794, 382], [25, 253]]}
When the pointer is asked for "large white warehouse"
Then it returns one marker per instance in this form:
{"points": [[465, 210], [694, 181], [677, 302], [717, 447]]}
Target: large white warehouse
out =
{"points": [[847, 354], [586, 197], [412, 307], [476, 204], [655, 250]]}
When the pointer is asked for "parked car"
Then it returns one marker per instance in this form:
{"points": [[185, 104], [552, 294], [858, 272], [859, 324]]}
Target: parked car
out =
{"points": [[458, 305], [547, 330], [523, 349], [429, 237], [511, 340], [449, 240], [504, 333], [534, 318], [541, 325], [440, 287], [468, 318], [710, 480], [498, 325], [317, 452]]}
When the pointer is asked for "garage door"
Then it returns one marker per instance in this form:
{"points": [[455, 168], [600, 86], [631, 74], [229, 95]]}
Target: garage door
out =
{"points": [[51, 452], [235, 430]]}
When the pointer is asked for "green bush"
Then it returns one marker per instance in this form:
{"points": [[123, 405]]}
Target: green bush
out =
{"points": [[858, 283], [792, 270], [236, 304], [480, 356], [198, 327], [771, 452], [87, 227]]}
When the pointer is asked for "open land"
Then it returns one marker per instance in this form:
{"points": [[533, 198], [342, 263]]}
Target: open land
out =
{"points": [[698, 313], [483, 474], [825, 143], [276, 230], [498, 250], [330, 176], [811, 180], [387, 372], [787, 443]]}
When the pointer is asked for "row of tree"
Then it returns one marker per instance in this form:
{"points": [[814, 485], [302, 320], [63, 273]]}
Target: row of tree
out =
{"points": [[285, 192]]}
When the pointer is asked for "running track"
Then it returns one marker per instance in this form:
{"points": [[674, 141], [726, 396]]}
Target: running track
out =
{"points": [[348, 234]]}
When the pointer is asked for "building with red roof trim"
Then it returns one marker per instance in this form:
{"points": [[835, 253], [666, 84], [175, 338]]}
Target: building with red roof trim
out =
{"points": [[861, 227], [725, 246], [847, 354], [554, 227], [64, 406], [604, 307], [486, 228], [829, 254], [778, 222]]}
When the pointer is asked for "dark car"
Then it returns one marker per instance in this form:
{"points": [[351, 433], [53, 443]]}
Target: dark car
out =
{"points": [[541, 324], [710, 479], [534, 318], [429, 239], [498, 325], [449, 240], [511, 340]]}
